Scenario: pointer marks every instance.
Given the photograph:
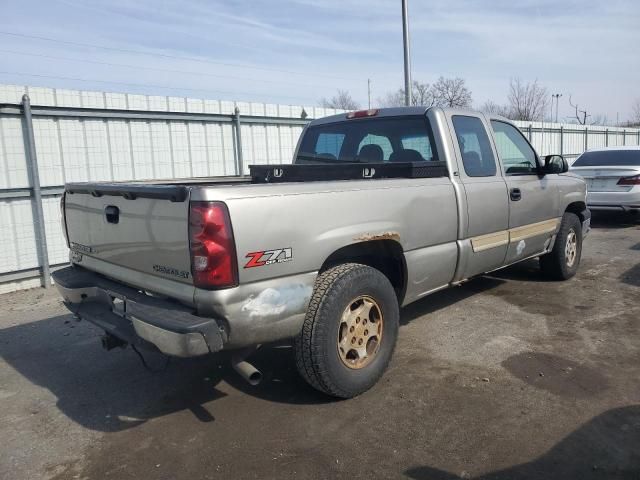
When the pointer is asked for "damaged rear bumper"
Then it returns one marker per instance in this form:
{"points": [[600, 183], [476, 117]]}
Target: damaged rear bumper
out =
{"points": [[137, 318]]}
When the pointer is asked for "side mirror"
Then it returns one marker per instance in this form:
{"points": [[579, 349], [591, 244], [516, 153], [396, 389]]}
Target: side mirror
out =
{"points": [[555, 164]]}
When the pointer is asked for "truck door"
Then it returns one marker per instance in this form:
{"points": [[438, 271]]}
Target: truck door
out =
{"points": [[533, 199], [483, 245]]}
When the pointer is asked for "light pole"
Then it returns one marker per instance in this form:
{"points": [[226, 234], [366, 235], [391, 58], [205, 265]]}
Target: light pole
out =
{"points": [[557, 97], [407, 59]]}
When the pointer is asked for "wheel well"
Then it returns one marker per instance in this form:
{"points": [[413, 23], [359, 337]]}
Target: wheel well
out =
{"points": [[578, 208], [384, 255]]}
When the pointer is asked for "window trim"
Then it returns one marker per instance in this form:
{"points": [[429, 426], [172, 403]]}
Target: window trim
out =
{"points": [[535, 153]]}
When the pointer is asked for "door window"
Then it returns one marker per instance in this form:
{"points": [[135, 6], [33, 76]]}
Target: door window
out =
{"points": [[518, 158], [477, 156]]}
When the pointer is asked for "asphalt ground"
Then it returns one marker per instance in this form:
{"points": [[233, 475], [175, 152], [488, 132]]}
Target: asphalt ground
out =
{"points": [[508, 376]]}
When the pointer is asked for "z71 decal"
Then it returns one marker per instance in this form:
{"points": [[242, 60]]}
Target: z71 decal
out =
{"points": [[269, 257]]}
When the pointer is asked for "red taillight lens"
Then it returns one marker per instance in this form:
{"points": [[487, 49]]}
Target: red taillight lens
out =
{"points": [[372, 112], [213, 253], [629, 180]]}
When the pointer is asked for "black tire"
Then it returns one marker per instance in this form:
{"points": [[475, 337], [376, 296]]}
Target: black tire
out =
{"points": [[557, 264], [316, 347]]}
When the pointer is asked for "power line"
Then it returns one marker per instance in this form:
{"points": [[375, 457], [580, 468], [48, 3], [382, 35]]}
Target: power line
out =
{"points": [[144, 85], [175, 57], [186, 72]]}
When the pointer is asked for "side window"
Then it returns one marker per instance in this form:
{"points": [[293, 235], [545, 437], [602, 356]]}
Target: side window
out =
{"points": [[329, 144], [518, 158], [375, 148], [475, 148]]}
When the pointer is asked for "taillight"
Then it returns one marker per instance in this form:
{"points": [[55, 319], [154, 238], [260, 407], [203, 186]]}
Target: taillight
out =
{"points": [[629, 180], [372, 112], [213, 253]]}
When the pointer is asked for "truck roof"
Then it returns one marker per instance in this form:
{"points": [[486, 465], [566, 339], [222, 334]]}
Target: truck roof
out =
{"points": [[395, 112]]}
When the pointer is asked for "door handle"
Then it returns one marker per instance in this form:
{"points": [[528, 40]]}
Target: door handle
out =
{"points": [[515, 194]]}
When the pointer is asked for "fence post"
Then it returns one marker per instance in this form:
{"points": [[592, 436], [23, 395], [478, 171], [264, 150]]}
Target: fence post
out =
{"points": [[529, 130], [239, 160], [32, 166], [586, 138], [606, 137], [561, 139], [624, 137]]}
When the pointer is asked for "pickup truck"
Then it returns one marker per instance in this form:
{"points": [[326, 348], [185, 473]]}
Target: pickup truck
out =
{"points": [[379, 208]]}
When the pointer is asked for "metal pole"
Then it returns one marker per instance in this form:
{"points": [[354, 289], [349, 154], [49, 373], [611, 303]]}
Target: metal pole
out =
{"points": [[32, 164], [239, 162], [606, 137], [407, 57], [561, 140], [586, 138], [369, 91]]}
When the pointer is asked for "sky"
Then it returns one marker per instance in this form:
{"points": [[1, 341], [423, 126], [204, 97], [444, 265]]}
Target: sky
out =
{"points": [[298, 51]]}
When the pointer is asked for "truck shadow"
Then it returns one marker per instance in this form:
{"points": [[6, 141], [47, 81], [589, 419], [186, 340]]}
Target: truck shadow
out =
{"points": [[112, 391], [614, 220], [604, 447]]}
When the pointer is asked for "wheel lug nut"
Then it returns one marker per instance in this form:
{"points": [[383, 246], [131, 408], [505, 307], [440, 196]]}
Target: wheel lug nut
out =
{"points": [[353, 339], [351, 329], [360, 342], [364, 322], [366, 332], [358, 320]]}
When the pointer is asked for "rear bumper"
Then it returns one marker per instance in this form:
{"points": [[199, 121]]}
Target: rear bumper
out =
{"points": [[616, 201], [138, 318]]}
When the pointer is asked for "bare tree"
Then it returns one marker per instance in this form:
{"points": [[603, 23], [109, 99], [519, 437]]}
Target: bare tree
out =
{"points": [[598, 119], [341, 100], [451, 92], [527, 101], [493, 108], [421, 94], [635, 112], [580, 115]]}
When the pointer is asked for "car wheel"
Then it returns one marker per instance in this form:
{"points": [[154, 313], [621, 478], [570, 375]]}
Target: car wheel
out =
{"points": [[349, 331], [563, 261]]}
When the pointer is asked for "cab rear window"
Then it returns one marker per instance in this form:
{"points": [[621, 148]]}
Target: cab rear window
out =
{"points": [[372, 140]]}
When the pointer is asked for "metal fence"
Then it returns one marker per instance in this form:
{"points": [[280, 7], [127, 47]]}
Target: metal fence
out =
{"points": [[71, 136]]}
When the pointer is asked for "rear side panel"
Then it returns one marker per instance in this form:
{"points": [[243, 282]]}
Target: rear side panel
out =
{"points": [[143, 241]]}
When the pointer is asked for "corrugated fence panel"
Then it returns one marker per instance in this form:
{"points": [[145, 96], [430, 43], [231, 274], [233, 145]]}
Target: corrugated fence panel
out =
{"points": [[19, 247], [14, 163], [114, 149], [97, 150]]}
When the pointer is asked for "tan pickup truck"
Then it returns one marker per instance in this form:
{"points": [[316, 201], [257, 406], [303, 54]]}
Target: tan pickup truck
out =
{"points": [[379, 208]]}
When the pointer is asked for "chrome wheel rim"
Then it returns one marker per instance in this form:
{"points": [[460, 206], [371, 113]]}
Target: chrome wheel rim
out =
{"points": [[360, 332], [571, 248]]}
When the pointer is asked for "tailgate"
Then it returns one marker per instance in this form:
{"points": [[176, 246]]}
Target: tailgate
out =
{"points": [[121, 228]]}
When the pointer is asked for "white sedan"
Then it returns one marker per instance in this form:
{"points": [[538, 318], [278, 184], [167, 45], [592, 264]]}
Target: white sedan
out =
{"points": [[613, 178]]}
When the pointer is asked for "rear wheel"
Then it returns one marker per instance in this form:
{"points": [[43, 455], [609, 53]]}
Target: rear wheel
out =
{"points": [[349, 332], [563, 261]]}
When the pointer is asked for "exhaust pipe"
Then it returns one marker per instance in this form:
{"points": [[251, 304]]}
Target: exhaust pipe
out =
{"points": [[247, 371]]}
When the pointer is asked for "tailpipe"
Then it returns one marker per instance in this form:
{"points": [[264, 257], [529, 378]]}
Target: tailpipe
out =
{"points": [[247, 371]]}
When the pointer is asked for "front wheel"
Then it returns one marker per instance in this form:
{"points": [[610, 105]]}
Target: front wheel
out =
{"points": [[562, 262], [349, 332]]}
